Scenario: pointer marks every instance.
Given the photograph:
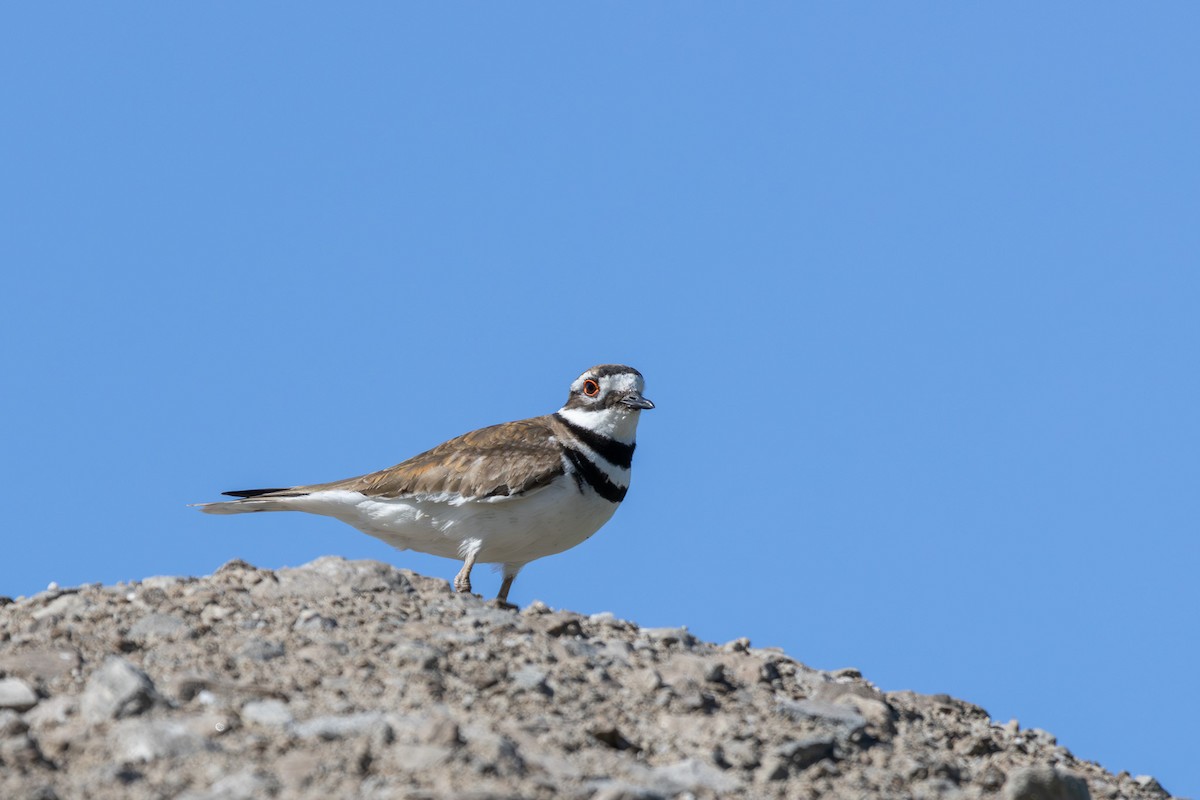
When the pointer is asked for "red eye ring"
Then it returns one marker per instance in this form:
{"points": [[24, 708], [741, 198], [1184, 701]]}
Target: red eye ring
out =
{"points": [[591, 388]]}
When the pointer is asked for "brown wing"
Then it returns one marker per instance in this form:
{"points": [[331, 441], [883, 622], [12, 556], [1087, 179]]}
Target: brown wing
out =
{"points": [[499, 461]]}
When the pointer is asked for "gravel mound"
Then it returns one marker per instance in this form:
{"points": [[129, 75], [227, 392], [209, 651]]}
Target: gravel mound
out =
{"points": [[355, 679]]}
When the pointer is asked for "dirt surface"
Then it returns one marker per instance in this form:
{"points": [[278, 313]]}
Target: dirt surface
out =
{"points": [[345, 679]]}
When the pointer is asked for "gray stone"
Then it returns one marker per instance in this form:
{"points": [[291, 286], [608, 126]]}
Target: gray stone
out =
{"points": [[692, 775], [680, 635], [310, 620], [738, 754], [20, 751], [416, 654], [332, 574], [332, 727], [267, 712], [261, 650], [795, 756], [843, 719], [163, 582], [116, 690], [17, 695], [1151, 785], [440, 731], [1045, 783], [44, 664], [149, 740], [53, 711], [156, 625], [66, 605], [531, 679], [802, 753], [489, 618], [11, 724], [493, 753]]}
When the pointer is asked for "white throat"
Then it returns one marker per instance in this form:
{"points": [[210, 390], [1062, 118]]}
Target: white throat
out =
{"points": [[615, 423]]}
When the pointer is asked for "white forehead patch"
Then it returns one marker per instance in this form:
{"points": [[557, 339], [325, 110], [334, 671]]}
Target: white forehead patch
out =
{"points": [[625, 382], [622, 382]]}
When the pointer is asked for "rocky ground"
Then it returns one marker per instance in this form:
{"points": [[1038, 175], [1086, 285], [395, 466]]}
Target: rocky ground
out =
{"points": [[347, 679]]}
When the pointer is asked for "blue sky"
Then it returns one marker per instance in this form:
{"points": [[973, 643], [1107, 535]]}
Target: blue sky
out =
{"points": [[915, 289]]}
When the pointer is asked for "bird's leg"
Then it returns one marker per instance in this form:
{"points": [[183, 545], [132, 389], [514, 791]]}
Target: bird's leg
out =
{"points": [[510, 574], [462, 581]]}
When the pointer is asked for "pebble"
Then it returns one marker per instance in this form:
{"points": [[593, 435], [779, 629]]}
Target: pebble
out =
{"points": [[1045, 783], [17, 695], [332, 727], [117, 690], [267, 712], [11, 723], [148, 740], [156, 625]]}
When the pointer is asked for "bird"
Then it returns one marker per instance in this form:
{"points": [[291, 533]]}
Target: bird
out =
{"points": [[506, 494]]}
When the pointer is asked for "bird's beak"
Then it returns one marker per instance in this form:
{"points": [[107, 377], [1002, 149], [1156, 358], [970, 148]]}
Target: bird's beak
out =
{"points": [[635, 400]]}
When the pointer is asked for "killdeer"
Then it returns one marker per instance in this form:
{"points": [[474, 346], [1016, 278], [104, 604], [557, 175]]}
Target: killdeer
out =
{"points": [[505, 494]]}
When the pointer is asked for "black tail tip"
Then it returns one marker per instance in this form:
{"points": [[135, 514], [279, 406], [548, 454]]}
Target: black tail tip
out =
{"points": [[251, 492]]}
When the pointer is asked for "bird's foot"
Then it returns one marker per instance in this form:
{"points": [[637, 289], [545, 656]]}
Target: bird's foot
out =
{"points": [[503, 605]]}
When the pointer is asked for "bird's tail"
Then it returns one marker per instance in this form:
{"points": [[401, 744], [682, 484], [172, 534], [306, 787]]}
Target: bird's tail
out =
{"points": [[251, 500]]}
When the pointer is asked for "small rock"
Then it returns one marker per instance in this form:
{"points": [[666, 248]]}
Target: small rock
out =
{"points": [[17, 695], [844, 719], [149, 740], [162, 582], [53, 711], [332, 574], [261, 650], [116, 690], [270, 713], [562, 624], [417, 654], [1045, 783], [612, 737], [20, 751], [493, 753], [333, 727], [741, 645], [1151, 785], [156, 625], [214, 613], [738, 754], [803, 753], [11, 724], [680, 635], [440, 731], [693, 775], [991, 779], [66, 605], [40, 665], [531, 679], [310, 620]]}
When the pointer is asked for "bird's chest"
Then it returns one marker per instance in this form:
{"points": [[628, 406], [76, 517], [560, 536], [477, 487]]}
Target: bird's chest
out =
{"points": [[557, 518]]}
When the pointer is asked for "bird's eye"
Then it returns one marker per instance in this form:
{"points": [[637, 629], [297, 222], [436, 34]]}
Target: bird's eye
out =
{"points": [[591, 388]]}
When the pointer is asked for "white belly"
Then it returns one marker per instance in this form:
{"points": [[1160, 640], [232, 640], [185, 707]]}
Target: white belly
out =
{"points": [[505, 530]]}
